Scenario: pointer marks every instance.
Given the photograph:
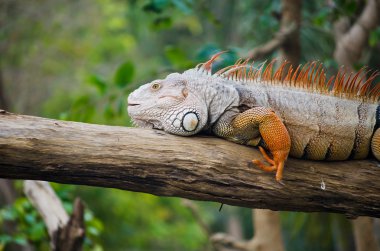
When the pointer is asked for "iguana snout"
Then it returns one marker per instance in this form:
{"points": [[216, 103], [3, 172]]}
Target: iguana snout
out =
{"points": [[168, 105]]}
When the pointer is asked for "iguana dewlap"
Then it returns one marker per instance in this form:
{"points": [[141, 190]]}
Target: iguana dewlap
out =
{"points": [[296, 112]]}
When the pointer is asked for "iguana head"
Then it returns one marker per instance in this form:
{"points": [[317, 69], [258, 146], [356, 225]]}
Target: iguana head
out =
{"points": [[170, 105]]}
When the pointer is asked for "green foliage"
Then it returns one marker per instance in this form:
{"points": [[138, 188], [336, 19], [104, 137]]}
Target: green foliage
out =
{"points": [[144, 222], [159, 6], [99, 83], [104, 102], [124, 74], [31, 228], [374, 38], [29, 225], [178, 58], [316, 231]]}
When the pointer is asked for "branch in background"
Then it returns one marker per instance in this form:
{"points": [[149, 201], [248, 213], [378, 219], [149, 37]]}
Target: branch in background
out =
{"points": [[197, 216], [267, 232], [222, 240], [7, 192], [350, 42], [200, 168], [71, 236], [66, 234], [268, 236], [365, 238], [278, 40], [290, 49]]}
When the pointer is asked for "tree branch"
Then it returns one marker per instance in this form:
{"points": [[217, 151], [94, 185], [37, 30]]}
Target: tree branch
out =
{"points": [[277, 41], [200, 168], [350, 42], [66, 233]]}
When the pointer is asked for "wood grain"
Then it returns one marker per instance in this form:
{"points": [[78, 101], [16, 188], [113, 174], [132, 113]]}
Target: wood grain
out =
{"points": [[199, 168]]}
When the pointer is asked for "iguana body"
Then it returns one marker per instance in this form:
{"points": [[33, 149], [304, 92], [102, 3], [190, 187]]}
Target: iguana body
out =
{"points": [[294, 112]]}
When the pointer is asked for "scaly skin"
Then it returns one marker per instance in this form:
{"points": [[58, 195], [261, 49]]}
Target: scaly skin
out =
{"points": [[297, 115]]}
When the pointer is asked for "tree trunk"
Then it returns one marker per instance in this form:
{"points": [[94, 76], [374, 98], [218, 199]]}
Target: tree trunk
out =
{"points": [[365, 239], [290, 49], [201, 168], [268, 236]]}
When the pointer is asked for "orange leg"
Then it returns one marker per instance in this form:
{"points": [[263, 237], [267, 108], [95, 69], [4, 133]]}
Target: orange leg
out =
{"points": [[276, 137], [252, 124], [265, 155], [264, 167], [277, 166]]}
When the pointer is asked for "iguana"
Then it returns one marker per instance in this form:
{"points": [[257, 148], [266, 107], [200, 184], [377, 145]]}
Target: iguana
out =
{"points": [[292, 112]]}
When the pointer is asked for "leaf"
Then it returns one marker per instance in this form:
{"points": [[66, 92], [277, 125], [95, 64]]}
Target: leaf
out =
{"points": [[37, 231], [124, 74], [30, 219], [182, 5], [4, 238], [21, 240], [8, 214], [156, 6], [177, 57], [161, 23], [374, 37], [99, 83], [109, 112], [81, 101], [121, 107]]}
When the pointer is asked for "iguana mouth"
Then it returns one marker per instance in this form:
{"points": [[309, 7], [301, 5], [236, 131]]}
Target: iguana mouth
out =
{"points": [[133, 104], [142, 123]]}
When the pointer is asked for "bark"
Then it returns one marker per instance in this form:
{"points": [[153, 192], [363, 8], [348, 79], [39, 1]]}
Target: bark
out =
{"points": [[365, 239], [290, 49], [71, 236], [201, 168], [7, 192], [66, 233]]}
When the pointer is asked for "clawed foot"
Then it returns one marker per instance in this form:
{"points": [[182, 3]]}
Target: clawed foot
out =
{"points": [[277, 163]]}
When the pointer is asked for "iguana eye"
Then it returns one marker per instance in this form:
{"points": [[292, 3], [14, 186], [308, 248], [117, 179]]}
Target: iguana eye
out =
{"points": [[155, 86]]}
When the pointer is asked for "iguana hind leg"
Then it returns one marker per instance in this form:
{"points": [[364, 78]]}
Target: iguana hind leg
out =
{"points": [[277, 163], [243, 127]]}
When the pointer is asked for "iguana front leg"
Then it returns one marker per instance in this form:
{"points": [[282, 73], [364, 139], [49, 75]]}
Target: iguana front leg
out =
{"points": [[248, 126]]}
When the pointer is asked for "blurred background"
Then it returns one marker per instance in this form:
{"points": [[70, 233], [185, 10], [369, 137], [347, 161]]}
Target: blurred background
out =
{"points": [[79, 60]]}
